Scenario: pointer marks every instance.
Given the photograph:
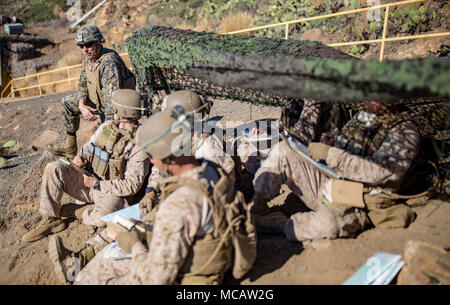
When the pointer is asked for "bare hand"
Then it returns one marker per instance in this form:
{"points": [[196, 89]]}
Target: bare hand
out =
{"points": [[86, 111], [78, 161], [89, 181]]}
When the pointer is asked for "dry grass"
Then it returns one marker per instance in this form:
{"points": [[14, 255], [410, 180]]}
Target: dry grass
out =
{"points": [[235, 21], [185, 26], [204, 25], [15, 148], [73, 57]]}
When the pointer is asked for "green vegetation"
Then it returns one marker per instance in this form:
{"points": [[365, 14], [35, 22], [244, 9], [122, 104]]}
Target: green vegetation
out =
{"points": [[169, 9], [218, 8], [410, 17], [194, 10], [357, 50], [167, 49], [351, 4], [227, 65], [42, 10]]}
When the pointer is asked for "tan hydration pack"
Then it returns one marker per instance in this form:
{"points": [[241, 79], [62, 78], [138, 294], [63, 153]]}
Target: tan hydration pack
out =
{"points": [[234, 232]]}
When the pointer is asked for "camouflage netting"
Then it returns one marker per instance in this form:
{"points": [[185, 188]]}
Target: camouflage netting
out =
{"points": [[274, 71]]}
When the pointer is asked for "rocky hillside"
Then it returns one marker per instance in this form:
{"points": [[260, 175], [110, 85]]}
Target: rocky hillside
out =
{"points": [[35, 122], [118, 19]]}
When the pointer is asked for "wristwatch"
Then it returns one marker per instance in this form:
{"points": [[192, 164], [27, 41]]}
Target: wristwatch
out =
{"points": [[97, 185]]}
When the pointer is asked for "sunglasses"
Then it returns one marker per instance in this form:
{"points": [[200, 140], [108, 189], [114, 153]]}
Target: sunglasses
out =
{"points": [[87, 45]]}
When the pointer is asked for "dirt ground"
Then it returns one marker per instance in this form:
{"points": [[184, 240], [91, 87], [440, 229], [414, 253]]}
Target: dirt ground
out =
{"points": [[34, 122]]}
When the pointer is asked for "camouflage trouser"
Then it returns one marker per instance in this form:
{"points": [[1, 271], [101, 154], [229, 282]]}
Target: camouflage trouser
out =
{"points": [[285, 166], [60, 177], [251, 155], [71, 112], [102, 271]]}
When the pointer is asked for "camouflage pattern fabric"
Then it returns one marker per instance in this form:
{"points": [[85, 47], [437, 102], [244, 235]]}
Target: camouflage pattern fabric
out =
{"points": [[385, 168], [136, 169], [179, 220], [113, 74], [209, 147], [214, 64], [206, 147], [431, 114], [155, 178], [71, 113], [306, 127], [365, 132], [87, 34], [283, 166], [60, 178]]}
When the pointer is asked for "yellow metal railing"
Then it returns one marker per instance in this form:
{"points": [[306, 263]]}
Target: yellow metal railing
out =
{"points": [[38, 78], [39, 85], [286, 25]]}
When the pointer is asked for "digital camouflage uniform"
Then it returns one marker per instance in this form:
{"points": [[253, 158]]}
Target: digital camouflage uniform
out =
{"points": [[182, 216], [204, 146], [113, 75], [60, 177], [386, 168], [305, 129]]}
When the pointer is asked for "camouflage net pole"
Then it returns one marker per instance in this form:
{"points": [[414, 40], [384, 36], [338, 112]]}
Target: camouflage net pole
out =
{"points": [[274, 71]]}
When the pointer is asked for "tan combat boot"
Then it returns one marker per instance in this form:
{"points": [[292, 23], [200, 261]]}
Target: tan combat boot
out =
{"points": [[68, 148], [272, 223], [46, 226], [67, 264]]}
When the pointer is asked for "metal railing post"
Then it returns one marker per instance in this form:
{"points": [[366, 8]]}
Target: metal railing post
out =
{"points": [[68, 74], [6, 87], [39, 85], [383, 38], [12, 89]]}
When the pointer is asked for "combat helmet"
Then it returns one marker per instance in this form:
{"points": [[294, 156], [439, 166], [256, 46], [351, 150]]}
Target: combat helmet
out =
{"points": [[188, 100], [88, 34], [126, 103], [161, 135]]}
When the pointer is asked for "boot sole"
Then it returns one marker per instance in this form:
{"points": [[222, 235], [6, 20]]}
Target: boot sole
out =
{"points": [[54, 248], [68, 155], [63, 154], [56, 229]]}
